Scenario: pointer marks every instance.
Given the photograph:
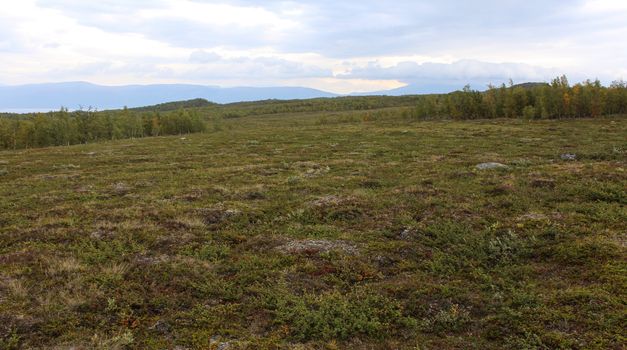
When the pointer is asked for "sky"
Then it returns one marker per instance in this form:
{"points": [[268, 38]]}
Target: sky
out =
{"points": [[337, 46]]}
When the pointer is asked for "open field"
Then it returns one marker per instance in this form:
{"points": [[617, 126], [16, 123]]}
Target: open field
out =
{"points": [[320, 231]]}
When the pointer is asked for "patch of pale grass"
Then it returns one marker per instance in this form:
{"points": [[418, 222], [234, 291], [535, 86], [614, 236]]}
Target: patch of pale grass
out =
{"points": [[191, 222], [72, 298], [58, 265], [115, 271], [120, 341], [16, 288]]}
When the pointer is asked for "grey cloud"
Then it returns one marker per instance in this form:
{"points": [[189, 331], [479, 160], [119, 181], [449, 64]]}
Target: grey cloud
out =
{"points": [[343, 29], [83, 71], [367, 28], [262, 68], [214, 65], [255, 68], [182, 33], [122, 16]]}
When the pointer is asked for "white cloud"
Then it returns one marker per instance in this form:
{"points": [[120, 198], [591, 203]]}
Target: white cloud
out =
{"points": [[334, 45], [201, 56], [218, 14], [604, 6]]}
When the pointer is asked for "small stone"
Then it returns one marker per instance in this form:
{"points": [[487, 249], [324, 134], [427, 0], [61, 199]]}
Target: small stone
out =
{"points": [[568, 156], [223, 346], [491, 165], [3, 172], [215, 343]]}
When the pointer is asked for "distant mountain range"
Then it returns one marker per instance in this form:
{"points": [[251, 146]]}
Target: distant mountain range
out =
{"points": [[74, 95], [417, 89]]}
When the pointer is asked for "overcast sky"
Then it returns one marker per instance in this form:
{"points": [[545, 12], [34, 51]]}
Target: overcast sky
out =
{"points": [[338, 46]]}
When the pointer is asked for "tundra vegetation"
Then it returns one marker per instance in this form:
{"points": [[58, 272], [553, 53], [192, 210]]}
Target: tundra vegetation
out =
{"points": [[529, 101], [301, 227]]}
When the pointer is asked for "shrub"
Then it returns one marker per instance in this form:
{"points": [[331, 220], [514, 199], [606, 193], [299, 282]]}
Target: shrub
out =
{"points": [[529, 112], [338, 316], [453, 318]]}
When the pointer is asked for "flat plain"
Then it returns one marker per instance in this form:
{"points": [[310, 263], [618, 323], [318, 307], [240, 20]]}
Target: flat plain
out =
{"points": [[359, 230]]}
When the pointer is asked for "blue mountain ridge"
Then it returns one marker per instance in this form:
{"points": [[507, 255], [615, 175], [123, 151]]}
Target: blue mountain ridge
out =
{"points": [[75, 95]]}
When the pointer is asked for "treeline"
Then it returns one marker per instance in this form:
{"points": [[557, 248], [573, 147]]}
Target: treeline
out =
{"points": [[68, 128], [176, 105], [533, 101], [332, 104]]}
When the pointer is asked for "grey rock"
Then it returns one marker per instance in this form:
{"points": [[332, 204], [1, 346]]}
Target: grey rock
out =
{"points": [[568, 156], [490, 166], [216, 343], [223, 346]]}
